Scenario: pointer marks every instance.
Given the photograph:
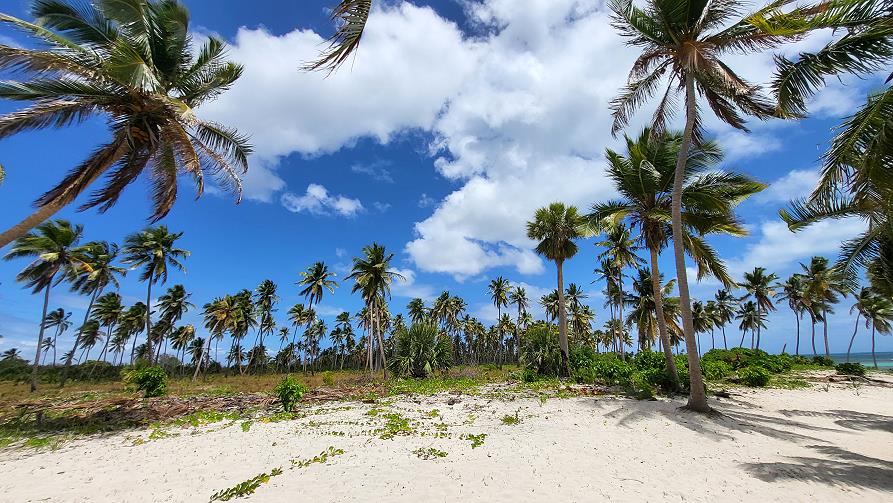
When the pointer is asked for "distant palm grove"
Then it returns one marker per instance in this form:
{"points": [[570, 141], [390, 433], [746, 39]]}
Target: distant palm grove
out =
{"points": [[137, 68]]}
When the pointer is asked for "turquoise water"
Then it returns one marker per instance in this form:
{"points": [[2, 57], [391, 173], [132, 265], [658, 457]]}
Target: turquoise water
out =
{"points": [[884, 359]]}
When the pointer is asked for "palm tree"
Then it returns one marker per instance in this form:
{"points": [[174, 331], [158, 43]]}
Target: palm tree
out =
{"points": [[620, 250], [90, 335], [181, 339], [726, 305], [499, 295], [153, 250], [298, 316], [11, 354], [644, 311], [53, 250], [59, 320], [265, 301], [701, 318], [645, 177], [752, 318], [556, 227], [134, 64], [108, 312], [685, 40], [316, 280], [793, 292], [879, 314], [373, 276], [518, 298], [761, 287], [350, 18], [417, 311], [824, 285], [173, 305], [861, 306]]}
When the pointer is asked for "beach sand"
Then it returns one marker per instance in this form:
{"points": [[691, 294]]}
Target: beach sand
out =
{"points": [[816, 444]]}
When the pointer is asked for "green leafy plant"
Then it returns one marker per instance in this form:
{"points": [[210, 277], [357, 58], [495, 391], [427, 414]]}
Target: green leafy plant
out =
{"points": [[322, 457], [395, 424], [429, 453], [420, 350], [850, 369], [715, 370], [511, 419], [476, 440], [289, 390], [755, 376], [540, 351], [823, 361], [245, 488], [327, 378], [152, 381]]}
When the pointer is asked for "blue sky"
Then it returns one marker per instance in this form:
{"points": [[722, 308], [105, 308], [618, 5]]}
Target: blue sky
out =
{"points": [[453, 123]]}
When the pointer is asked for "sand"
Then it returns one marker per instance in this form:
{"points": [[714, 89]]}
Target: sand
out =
{"points": [[831, 443]]}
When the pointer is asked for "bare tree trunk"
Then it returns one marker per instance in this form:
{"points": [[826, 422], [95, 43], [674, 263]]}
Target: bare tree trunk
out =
{"points": [[725, 344], [759, 322], [825, 330], [797, 347], [43, 323], [384, 363], [853, 338], [622, 339], [149, 315], [873, 356], [662, 322], [814, 352], [77, 340], [562, 322], [697, 399]]}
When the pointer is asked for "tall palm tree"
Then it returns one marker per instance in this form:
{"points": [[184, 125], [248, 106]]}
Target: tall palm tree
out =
{"points": [[220, 317], [108, 312], [761, 287], [265, 302], [645, 179], [298, 315], [792, 290], [726, 305], [52, 247], [153, 250], [316, 280], [499, 295], [173, 305], [90, 335], [643, 313], [134, 64], [182, 337], [685, 41], [59, 320], [417, 311], [879, 315], [372, 275], [556, 227], [518, 298], [860, 306], [752, 319], [620, 250], [702, 320], [824, 285]]}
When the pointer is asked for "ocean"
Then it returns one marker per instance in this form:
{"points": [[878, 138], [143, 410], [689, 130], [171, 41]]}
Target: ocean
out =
{"points": [[884, 359]]}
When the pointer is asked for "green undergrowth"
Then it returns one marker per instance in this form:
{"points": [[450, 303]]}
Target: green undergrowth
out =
{"points": [[245, 488], [429, 453], [320, 458]]}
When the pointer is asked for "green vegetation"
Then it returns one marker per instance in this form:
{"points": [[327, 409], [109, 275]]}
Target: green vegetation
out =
{"points": [[851, 369], [429, 453], [245, 488], [754, 375], [152, 381], [511, 419], [476, 440], [420, 350], [395, 425], [322, 457], [289, 391]]}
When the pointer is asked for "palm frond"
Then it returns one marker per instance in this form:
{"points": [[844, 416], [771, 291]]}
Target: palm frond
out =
{"points": [[350, 16]]}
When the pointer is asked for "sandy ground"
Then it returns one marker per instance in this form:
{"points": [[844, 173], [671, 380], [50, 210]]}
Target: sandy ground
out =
{"points": [[811, 445]]}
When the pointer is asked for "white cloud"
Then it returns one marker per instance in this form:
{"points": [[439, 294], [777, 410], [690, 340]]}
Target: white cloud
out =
{"points": [[326, 310], [377, 170], [318, 202], [426, 201], [740, 145], [287, 111], [797, 183], [381, 207], [408, 287]]}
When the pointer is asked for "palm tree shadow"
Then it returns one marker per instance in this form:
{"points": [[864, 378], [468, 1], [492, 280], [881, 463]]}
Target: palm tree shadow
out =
{"points": [[844, 468], [849, 419]]}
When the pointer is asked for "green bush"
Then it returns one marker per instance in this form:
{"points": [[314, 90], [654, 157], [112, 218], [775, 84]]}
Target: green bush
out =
{"points": [[824, 361], [646, 360], [850, 369], [755, 376], [420, 350], [289, 390], [152, 381], [640, 384], [715, 370], [529, 375], [800, 360], [682, 371], [327, 378], [540, 351]]}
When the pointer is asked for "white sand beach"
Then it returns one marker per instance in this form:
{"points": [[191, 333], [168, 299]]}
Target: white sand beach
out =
{"points": [[820, 444]]}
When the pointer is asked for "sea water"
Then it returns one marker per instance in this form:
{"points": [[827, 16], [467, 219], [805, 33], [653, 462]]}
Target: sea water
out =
{"points": [[884, 359]]}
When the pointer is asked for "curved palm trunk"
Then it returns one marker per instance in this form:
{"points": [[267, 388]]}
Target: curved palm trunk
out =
{"points": [[43, 323], [198, 364], [697, 399], [814, 352], [873, 357], [825, 330], [562, 322], [149, 315], [797, 347], [31, 221], [853, 338], [77, 339], [759, 322], [662, 321]]}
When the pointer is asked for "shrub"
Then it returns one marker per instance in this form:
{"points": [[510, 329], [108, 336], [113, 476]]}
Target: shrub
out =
{"points": [[800, 360], [327, 378], [289, 390], [640, 383], [824, 361], [612, 370], [420, 350], [682, 371], [646, 360], [714, 370], [850, 369], [529, 375], [754, 376], [540, 350], [581, 357], [152, 381]]}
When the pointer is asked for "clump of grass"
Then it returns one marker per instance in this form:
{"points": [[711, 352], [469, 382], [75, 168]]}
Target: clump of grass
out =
{"points": [[395, 425], [433, 413], [322, 457], [429, 453], [246, 425], [511, 419], [245, 488], [203, 417], [432, 386], [476, 440]]}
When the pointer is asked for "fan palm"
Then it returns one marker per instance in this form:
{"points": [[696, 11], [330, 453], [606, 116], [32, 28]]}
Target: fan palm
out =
{"points": [[133, 62], [556, 227], [153, 250], [761, 287], [53, 248], [645, 177], [372, 275]]}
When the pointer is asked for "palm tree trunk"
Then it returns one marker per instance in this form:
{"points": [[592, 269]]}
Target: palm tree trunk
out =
{"points": [[814, 352], [853, 338], [662, 321], [697, 399], [384, 363], [725, 344], [743, 335], [562, 322], [825, 330], [759, 322], [198, 364], [873, 357], [149, 314], [712, 339], [55, 341], [622, 339], [797, 347], [43, 322], [31, 221], [77, 339]]}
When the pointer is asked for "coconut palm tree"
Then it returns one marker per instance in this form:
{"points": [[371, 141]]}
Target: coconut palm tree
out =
{"points": [[372, 275], [879, 315], [108, 311], [685, 41], [702, 319], [860, 306], [181, 339], [644, 309], [499, 295], [52, 247], [792, 291], [644, 177], [752, 319], [417, 310], [135, 65], [132, 323], [153, 250], [556, 227], [726, 305], [173, 305], [90, 336], [349, 17], [316, 280], [824, 285], [265, 301], [220, 317], [59, 320], [761, 287], [518, 298], [298, 315], [620, 250]]}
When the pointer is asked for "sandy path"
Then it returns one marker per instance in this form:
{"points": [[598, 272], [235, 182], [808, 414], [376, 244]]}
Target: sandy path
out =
{"points": [[773, 445]]}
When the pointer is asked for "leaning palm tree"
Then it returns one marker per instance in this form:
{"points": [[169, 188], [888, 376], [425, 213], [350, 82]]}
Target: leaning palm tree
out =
{"points": [[879, 315], [556, 227], [499, 295], [792, 291], [373, 276], [861, 305], [761, 287], [173, 305], [645, 179], [824, 285], [726, 304], [53, 248], [685, 41], [153, 250], [108, 312], [134, 64], [59, 320]]}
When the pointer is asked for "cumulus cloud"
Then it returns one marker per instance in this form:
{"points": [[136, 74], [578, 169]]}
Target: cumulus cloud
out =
{"points": [[377, 170], [318, 202], [797, 183], [407, 286]]}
